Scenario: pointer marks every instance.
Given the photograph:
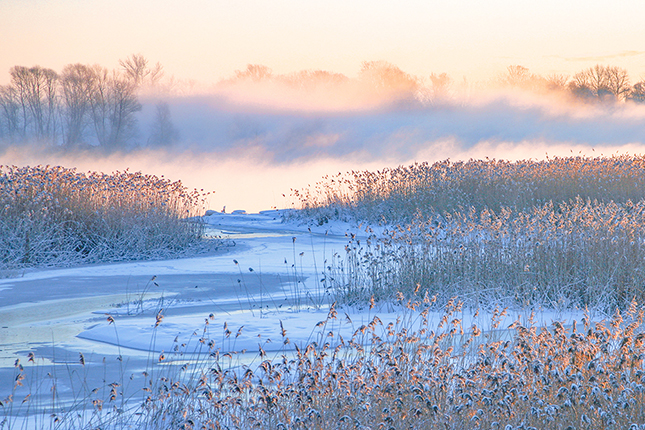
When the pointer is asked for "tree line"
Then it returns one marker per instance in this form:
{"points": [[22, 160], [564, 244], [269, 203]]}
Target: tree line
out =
{"points": [[80, 104], [91, 106], [597, 83]]}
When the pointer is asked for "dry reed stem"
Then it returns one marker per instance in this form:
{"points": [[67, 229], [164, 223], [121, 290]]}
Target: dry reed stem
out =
{"points": [[582, 375]]}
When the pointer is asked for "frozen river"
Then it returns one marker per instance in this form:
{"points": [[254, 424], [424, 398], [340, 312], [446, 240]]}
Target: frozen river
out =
{"points": [[264, 268]]}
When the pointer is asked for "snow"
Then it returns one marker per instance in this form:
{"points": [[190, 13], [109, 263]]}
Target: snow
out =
{"points": [[266, 281], [267, 273]]}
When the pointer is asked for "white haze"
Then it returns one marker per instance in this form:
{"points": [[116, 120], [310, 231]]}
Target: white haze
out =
{"points": [[252, 145]]}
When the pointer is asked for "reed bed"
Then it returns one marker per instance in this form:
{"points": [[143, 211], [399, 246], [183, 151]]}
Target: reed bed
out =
{"points": [[395, 195], [582, 253], [406, 375], [569, 237], [54, 216], [563, 232]]}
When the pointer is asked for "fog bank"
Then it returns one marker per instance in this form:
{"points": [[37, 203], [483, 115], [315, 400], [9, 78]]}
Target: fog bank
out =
{"points": [[253, 145]]}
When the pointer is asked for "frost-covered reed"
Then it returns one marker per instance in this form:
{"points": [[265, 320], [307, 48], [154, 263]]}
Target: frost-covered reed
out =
{"points": [[582, 253], [53, 216], [562, 232], [395, 195], [412, 374], [574, 248]]}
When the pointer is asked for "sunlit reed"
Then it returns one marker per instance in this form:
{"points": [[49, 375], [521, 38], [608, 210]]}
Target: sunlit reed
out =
{"points": [[416, 373], [53, 216], [563, 232]]}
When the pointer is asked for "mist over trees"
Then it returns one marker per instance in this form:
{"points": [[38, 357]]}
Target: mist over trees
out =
{"points": [[29, 103], [82, 106], [162, 132], [113, 103], [599, 83], [91, 107]]}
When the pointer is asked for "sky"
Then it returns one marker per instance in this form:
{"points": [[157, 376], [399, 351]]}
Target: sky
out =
{"points": [[254, 152], [207, 40]]}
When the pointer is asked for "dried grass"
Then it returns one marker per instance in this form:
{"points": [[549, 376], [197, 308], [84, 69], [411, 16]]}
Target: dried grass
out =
{"points": [[53, 216], [577, 254], [563, 232], [395, 195], [408, 375]]}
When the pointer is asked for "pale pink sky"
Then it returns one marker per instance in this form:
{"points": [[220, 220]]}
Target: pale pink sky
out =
{"points": [[207, 40]]}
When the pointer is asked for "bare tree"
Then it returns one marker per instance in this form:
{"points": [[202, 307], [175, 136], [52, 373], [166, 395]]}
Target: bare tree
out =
{"points": [[77, 82], [388, 79], [602, 82], [20, 84], [618, 82], [594, 78], [136, 68], [637, 93], [113, 103], [36, 93], [254, 72], [556, 82], [41, 105], [99, 103], [45, 89], [580, 86], [307, 79], [517, 76], [10, 129], [520, 77], [162, 132]]}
